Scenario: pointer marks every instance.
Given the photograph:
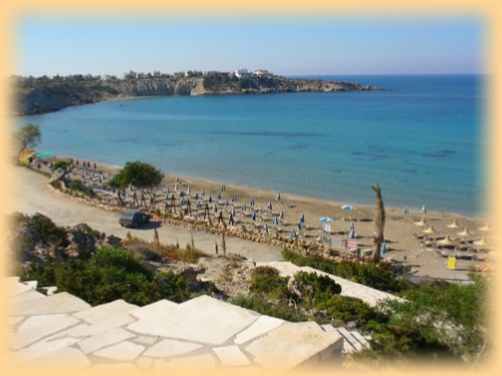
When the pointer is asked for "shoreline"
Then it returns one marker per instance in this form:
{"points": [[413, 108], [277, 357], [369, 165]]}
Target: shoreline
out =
{"points": [[405, 240]]}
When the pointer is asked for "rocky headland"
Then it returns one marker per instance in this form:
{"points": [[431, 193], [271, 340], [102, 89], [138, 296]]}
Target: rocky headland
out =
{"points": [[39, 95]]}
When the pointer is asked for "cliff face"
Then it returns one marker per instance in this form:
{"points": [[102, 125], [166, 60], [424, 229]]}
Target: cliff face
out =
{"points": [[32, 96]]}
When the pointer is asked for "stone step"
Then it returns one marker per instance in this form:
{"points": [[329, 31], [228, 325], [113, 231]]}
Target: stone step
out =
{"points": [[359, 338]]}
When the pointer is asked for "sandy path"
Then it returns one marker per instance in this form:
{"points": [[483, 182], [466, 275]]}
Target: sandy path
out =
{"points": [[31, 194]]}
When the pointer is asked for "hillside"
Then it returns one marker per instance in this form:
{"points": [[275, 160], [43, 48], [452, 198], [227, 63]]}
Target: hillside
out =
{"points": [[39, 95]]}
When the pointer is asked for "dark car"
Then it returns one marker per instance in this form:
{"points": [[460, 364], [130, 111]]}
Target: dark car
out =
{"points": [[133, 218]]}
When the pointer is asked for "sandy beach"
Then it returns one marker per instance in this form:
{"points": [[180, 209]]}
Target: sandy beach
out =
{"points": [[406, 241]]}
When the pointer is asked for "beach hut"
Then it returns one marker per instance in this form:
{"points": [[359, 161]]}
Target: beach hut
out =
{"points": [[454, 224]]}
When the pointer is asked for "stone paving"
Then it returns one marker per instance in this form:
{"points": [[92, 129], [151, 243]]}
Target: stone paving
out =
{"points": [[202, 333]]}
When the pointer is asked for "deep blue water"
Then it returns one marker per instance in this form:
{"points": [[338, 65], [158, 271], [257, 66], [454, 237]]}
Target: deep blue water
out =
{"points": [[422, 140]]}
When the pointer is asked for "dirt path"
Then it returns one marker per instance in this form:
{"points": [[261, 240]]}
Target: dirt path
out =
{"points": [[31, 194]]}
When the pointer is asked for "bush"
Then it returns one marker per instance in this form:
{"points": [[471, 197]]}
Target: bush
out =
{"points": [[111, 274], [282, 309], [48, 231], [265, 280], [316, 288]]}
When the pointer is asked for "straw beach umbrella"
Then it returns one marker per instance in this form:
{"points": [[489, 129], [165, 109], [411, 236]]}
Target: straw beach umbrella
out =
{"points": [[453, 225], [430, 231], [482, 242], [465, 233], [486, 228], [421, 222], [446, 242]]}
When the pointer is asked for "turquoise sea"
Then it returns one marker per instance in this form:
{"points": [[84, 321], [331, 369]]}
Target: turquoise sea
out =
{"points": [[423, 140]]}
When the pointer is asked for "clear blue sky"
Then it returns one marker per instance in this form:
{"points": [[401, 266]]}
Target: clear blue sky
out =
{"points": [[283, 46]]}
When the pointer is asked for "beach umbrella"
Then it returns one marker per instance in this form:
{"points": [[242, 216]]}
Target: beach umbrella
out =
{"points": [[299, 226], [196, 196], [218, 197], [302, 219], [424, 209], [446, 242], [210, 199], [251, 202], [265, 230], [175, 187], [421, 223], [46, 154], [197, 205], [269, 206], [481, 242], [464, 233], [253, 217], [182, 194], [383, 249], [348, 207], [244, 207], [351, 226], [326, 220], [292, 234], [486, 228], [430, 231], [406, 211], [188, 190], [177, 180], [202, 193], [223, 188], [215, 208], [282, 214], [182, 202], [233, 211], [454, 224], [275, 221], [278, 197], [234, 199], [352, 234]]}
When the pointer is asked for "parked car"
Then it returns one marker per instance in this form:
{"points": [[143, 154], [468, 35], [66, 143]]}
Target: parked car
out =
{"points": [[133, 218]]}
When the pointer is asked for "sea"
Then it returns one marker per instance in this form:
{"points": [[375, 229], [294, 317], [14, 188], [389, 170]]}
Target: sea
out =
{"points": [[423, 139]]}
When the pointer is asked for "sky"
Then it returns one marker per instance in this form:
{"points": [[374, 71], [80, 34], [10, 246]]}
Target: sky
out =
{"points": [[293, 46]]}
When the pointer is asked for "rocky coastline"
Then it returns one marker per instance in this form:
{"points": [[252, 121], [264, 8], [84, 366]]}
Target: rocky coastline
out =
{"points": [[40, 95]]}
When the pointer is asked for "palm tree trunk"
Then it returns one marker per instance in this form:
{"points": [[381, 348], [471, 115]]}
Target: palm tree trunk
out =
{"points": [[379, 223]]}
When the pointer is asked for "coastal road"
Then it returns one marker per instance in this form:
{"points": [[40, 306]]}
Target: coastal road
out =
{"points": [[31, 195]]}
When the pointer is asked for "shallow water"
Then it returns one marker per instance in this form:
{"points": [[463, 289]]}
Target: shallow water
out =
{"points": [[422, 141]]}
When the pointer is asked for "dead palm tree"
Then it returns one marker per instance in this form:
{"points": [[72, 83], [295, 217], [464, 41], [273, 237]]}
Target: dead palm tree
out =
{"points": [[379, 222]]}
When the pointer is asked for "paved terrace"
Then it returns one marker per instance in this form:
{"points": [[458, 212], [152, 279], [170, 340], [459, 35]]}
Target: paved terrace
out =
{"points": [[200, 333]]}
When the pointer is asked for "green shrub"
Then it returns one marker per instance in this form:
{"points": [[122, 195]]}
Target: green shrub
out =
{"points": [[47, 230], [316, 288], [280, 309], [265, 280], [111, 274]]}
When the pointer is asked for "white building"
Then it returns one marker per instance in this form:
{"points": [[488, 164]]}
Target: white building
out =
{"points": [[262, 73], [242, 73]]}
